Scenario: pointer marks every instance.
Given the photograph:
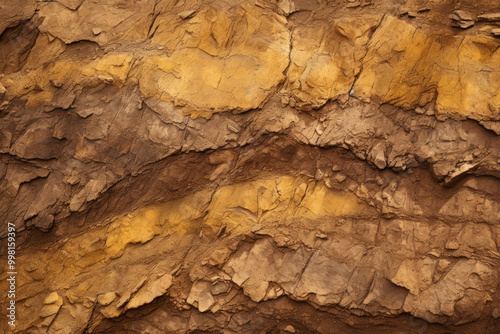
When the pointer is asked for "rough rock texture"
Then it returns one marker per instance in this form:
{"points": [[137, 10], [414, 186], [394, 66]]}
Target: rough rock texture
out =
{"points": [[248, 166]]}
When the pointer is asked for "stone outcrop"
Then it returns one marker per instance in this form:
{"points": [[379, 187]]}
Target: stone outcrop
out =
{"points": [[463, 19], [251, 166]]}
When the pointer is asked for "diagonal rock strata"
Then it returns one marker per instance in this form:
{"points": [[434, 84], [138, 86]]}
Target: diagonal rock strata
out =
{"points": [[250, 166]]}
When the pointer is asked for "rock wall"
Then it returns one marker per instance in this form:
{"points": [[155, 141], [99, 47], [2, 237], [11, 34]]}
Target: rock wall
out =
{"points": [[244, 166]]}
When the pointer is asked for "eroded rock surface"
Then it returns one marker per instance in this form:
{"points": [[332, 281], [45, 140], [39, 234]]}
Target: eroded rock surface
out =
{"points": [[251, 166]]}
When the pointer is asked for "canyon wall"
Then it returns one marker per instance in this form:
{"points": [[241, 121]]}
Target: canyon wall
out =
{"points": [[291, 166]]}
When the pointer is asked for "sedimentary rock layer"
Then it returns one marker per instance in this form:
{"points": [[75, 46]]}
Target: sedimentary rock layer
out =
{"points": [[251, 166]]}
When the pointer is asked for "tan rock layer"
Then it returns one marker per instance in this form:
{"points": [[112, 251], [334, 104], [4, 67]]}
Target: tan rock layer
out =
{"points": [[263, 215], [234, 57], [285, 235]]}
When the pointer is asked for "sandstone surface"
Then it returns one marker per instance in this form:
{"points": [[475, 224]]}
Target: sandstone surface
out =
{"points": [[247, 166]]}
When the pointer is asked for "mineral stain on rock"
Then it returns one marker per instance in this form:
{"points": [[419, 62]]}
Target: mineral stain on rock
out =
{"points": [[248, 166]]}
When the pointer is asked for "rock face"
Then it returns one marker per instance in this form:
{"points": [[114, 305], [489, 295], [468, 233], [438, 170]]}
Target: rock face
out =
{"points": [[251, 166]]}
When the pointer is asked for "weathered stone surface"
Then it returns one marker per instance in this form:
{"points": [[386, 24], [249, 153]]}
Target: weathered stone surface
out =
{"points": [[152, 289], [491, 17], [429, 68], [463, 19], [251, 166], [208, 68], [106, 298], [74, 20], [326, 59], [12, 13]]}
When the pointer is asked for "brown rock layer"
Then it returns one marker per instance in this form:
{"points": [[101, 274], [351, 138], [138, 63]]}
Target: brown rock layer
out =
{"points": [[251, 166]]}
